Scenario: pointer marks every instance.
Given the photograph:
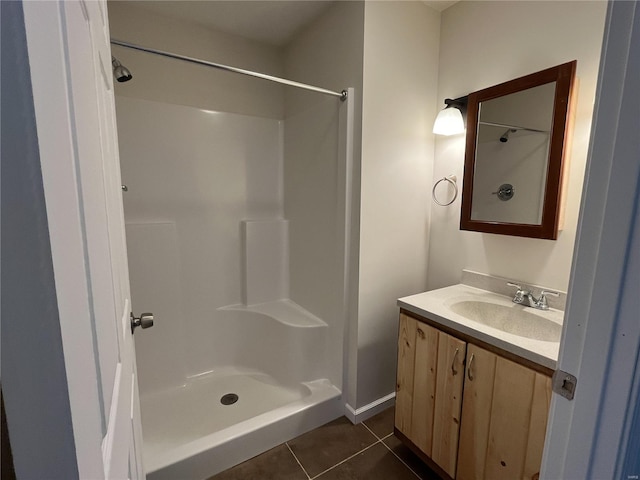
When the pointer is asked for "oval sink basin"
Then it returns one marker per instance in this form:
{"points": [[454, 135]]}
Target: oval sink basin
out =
{"points": [[514, 320]]}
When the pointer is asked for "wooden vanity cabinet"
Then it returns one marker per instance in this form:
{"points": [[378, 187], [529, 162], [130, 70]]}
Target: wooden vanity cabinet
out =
{"points": [[483, 420]]}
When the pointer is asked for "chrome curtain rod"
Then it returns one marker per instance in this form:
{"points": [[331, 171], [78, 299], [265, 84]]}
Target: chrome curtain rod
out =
{"points": [[514, 127], [341, 95]]}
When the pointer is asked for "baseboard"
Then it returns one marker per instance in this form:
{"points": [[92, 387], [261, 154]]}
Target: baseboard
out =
{"points": [[367, 411]]}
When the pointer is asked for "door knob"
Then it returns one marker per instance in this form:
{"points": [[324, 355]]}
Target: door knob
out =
{"points": [[145, 321]]}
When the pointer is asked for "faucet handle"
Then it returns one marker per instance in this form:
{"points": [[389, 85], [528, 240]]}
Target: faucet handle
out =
{"points": [[542, 301], [544, 293], [520, 293]]}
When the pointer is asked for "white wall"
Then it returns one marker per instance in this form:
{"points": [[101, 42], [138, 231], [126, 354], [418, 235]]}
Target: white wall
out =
{"points": [[327, 53], [173, 81], [399, 104], [486, 43]]}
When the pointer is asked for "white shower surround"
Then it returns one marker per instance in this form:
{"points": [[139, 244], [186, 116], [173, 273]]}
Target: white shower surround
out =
{"points": [[208, 254]]}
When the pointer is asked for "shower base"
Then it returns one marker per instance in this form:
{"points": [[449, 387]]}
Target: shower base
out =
{"points": [[190, 433]]}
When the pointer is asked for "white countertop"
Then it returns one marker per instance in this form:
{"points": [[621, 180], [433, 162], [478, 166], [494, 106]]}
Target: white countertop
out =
{"points": [[434, 306]]}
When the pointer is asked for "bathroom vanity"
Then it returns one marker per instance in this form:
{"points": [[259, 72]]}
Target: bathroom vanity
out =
{"points": [[474, 382]]}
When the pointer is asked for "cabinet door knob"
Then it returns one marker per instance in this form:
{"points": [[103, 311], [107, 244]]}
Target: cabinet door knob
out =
{"points": [[469, 373], [453, 364]]}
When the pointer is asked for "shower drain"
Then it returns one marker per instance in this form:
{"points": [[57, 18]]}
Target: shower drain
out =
{"points": [[229, 399]]}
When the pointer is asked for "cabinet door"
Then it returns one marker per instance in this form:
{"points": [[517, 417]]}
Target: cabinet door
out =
{"points": [[448, 401], [404, 380], [424, 387], [476, 408], [504, 417], [429, 390]]}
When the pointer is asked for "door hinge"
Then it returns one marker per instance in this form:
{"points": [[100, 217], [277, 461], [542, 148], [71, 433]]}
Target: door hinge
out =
{"points": [[564, 384]]}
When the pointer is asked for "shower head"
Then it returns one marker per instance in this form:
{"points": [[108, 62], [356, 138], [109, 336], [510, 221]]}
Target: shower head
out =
{"points": [[505, 136], [120, 72]]}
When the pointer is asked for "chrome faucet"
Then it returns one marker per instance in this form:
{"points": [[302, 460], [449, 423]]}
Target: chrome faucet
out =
{"points": [[524, 297]]}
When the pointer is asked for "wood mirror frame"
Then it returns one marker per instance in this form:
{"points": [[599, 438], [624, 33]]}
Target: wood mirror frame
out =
{"points": [[564, 76]]}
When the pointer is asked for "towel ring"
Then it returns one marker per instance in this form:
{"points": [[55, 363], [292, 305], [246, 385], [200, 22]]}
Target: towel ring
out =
{"points": [[452, 180]]}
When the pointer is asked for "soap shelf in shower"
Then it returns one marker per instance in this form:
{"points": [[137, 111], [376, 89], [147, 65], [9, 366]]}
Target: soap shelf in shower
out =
{"points": [[284, 311]]}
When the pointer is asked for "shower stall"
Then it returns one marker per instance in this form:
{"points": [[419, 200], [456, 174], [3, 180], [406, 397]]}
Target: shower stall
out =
{"points": [[237, 234]]}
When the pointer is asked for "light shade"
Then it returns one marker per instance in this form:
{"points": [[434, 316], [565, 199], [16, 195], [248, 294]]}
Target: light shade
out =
{"points": [[449, 122]]}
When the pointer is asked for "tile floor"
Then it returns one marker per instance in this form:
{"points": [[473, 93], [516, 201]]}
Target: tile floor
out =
{"points": [[339, 451]]}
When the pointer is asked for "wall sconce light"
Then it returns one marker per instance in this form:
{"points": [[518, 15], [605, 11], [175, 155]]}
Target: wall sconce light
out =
{"points": [[451, 120]]}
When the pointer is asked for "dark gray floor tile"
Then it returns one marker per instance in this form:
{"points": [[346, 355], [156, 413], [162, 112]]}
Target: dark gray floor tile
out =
{"points": [[325, 446], [275, 464], [408, 457], [382, 423], [375, 463]]}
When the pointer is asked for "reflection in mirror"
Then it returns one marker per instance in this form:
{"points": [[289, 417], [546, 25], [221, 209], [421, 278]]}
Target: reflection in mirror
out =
{"points": [[516, 139], [513, 149]]}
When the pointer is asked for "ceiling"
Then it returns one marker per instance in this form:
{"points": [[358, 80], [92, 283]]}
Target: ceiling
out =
{"points": [[272, 22], [439, 5]]}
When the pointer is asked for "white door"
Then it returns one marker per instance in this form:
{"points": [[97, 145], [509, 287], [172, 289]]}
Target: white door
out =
{"points": [[70, 60]]}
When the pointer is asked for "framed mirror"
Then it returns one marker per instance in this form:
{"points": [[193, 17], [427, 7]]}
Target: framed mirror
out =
{"points": [[517, 135]]}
